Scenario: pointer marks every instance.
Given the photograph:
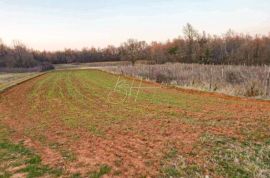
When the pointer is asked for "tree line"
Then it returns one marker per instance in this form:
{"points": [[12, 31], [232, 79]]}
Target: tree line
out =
{"points": [[193, 47], [230, 48]]}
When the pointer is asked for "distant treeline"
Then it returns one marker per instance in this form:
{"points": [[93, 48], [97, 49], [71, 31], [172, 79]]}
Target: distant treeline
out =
{"points": [[193, 47], [20, 59]]}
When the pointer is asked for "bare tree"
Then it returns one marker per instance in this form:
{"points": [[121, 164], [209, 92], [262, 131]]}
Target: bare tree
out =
{"points": [[191, 36], [23, 57], [133, 50]]}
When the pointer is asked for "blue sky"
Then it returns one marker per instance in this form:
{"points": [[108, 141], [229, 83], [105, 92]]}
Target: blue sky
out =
{"points": [[59, 24]]}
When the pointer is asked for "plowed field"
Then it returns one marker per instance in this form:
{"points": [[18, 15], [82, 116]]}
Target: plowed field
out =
{"points": [[89, 123]]}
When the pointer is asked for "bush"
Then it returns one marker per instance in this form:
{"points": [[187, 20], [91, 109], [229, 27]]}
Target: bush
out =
{"points": [[253, 90], [234, 77], [229, 79], [46, 66], [163, 78]]}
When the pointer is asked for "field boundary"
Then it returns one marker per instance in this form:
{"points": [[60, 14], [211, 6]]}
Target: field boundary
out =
{"points": [[21, 81], [191, 90], [178, 88]]}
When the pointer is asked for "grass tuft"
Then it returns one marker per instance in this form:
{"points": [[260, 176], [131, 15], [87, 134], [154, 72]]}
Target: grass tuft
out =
{"points": [[103, 170]]}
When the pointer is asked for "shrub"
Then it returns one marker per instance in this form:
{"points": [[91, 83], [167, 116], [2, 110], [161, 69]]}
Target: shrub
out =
{"points": [[46, 66], [253, 90], [229, 79], [234, 77]]}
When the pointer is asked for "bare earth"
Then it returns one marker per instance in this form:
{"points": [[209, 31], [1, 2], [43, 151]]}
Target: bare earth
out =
{"points": [[67, 119]]}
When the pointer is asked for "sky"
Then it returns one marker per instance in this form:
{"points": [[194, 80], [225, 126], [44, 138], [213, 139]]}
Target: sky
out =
{"points": [[59, 24]]}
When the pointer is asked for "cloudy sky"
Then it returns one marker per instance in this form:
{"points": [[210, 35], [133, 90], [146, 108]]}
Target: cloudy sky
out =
{"points": [[59, 24]]}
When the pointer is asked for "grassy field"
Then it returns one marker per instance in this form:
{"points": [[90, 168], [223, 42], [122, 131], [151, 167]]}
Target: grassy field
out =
{"points": [[88, 123]]}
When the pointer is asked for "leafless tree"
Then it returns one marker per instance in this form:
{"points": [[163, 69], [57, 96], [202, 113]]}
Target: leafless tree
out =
{"points": [[133, 50]]}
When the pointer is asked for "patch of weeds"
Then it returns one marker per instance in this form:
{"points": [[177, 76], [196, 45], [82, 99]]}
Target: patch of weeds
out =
{"points": [[34, 160], [173, 114], [103, 170], [68, 155], [15, 158], [37, 170], [175, 165], [209, 122], [182, 170], [76, 175], [94, 130], [5, 174], [171, 154], [233, 158], [257, 131], [71, 122], [171, 172], [142, 176], [42, 139], [31, 162]]}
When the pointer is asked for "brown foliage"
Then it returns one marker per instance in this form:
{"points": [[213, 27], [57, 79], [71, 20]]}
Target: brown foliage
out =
{"points": [[194, 47]]}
